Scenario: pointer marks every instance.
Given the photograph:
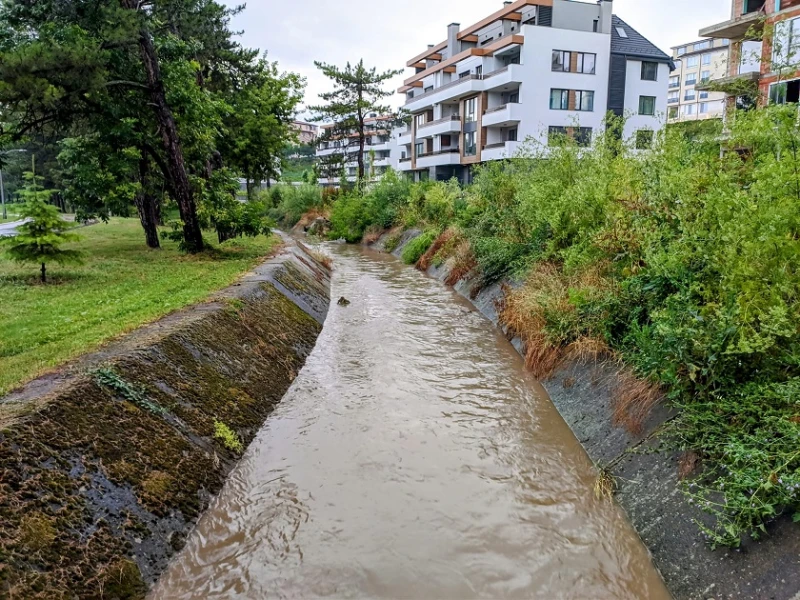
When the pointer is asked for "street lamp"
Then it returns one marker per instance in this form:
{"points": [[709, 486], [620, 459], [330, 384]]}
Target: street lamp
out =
{"points": [[2, 187]]}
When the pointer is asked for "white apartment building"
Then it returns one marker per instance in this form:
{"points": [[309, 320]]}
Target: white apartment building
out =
{"points": [[531, 70], [695, 64], [337, 150]]}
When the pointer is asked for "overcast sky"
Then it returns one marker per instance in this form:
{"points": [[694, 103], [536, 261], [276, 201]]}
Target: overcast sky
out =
{"points": [[388, 33]]}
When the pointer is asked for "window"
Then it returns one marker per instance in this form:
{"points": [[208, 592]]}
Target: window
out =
{"points": [[702, 45], [463, 75], [644, 139], [428, 89], [420, 120], [649, 71], [703, 108], [786, 44], [681, 51], [584, 62], [705, 76], [703, 95], [688, 109], [470, 110], [479, 71], [419, 148], [513, 97], [691, 79], [673, 97], [675, 81], [706, 60], [584, 101], [621, 32], [692, 61], [561, 61], [784, 92], [595, 25], [581, 135], [559, 99], [470, 145], [647, 105], [512, 135], [672, 112], [690, 95], [445, 141]]}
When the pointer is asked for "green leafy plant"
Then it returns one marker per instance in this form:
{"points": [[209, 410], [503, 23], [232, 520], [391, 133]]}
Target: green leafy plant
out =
{"points": [[138, 396], [418, 246], [227, 437]]}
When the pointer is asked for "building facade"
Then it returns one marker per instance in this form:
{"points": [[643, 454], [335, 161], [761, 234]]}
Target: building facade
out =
{"points": [[764, 49], [534, 70], [695, 64], [337, 151], [306, 132]]}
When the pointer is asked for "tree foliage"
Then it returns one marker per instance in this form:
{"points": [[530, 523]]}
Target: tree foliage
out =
{"points": [[40, 238]]}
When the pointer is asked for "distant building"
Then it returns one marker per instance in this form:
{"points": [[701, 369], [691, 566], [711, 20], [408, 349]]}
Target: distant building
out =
{"points": [[306, 132], [337, 151], [695, 64]]}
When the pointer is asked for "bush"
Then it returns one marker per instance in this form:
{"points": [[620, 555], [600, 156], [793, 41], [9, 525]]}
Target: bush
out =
{"points": [[292, 202], [418, 246]]}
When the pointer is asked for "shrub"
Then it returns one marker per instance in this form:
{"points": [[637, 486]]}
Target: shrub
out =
{"points": [[227, 437], [418, 246]]}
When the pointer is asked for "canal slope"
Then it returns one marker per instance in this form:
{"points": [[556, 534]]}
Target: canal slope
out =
{"points": [[412, 458], [106, 465]]}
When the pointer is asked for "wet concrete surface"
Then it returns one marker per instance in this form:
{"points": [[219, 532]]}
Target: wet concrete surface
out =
{"points": [[413, 457]]}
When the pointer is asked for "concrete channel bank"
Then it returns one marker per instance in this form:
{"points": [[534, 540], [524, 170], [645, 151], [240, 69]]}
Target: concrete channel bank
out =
{"points": [[647, 475], [106, 465]]}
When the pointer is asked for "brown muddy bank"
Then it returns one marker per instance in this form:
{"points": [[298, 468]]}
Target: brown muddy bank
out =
{"points": [[106, 466], [647, 474]]}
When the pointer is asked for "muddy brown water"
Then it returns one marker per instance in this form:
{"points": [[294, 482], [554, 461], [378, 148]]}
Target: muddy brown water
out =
{"points": [[412, 458]]}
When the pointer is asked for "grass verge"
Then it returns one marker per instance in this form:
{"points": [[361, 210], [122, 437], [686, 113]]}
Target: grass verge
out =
{"points": [[121, 286]]}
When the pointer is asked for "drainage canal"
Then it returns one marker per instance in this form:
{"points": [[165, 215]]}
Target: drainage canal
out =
{"points": [[412, 458]]}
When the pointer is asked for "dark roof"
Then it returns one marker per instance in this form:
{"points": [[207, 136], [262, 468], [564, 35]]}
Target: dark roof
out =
{"points": [[635, 44]]}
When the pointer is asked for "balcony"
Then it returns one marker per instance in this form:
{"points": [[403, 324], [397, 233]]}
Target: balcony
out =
{"points": [[673, 100], [447, 156], [734, 83], [503, 116], [405, 164], [674, 85], [500, 151], [405, 139], [329, 151], [735, 29], [451, 124], [501, 80], [381, 162]]}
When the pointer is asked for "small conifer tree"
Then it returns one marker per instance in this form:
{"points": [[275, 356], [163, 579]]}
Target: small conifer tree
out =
{"points": [[40, 237]]}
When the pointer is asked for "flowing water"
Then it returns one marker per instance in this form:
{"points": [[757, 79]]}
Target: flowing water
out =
{"points": [[412, 458]]}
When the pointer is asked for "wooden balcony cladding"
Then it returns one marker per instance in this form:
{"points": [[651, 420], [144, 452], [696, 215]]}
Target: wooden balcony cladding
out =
{"points": [[508, 12], [504, 42]]}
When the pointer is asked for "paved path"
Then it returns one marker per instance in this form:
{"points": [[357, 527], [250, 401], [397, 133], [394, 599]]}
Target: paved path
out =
{"points": [[10, 229]]}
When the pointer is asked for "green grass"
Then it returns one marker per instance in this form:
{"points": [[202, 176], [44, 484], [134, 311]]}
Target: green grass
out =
{"points": [[121, 285], [12, 211]]}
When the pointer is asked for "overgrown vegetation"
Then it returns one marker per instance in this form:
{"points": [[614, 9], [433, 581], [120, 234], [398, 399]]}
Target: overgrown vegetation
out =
{"points": [[678, 260], [227, 437]]}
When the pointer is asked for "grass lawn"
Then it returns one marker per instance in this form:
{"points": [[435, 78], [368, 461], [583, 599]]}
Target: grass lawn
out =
{"points": [[12, 211], [121, 285]]}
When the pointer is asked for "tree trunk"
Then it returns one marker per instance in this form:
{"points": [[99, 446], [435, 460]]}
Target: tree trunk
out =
{"points": [[192, 234], [44, 273], [147, 206]]}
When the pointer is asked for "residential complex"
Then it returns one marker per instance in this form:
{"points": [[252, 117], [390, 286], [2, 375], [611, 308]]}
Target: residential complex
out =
{"points": [[337, 151], [764, 42], [306, 132], [695, 64], [535, 70]]}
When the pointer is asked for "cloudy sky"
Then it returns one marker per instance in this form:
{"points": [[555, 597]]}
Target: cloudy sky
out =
{"points": [[296, 33]]}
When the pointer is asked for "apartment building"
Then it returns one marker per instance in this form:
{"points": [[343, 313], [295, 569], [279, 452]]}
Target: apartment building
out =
{"points": [[306, 132], [764, 48], [337, 151], [535, 69], [695, 64]]}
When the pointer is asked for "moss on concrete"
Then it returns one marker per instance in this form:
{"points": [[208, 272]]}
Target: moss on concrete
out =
{"points": [[98, 489]]}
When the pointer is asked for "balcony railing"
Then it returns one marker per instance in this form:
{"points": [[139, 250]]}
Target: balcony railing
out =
{"points": [[675, 85], [499, 108], [673, 100], [495, 145], [456, 82], [438, 152], [442, 120]]}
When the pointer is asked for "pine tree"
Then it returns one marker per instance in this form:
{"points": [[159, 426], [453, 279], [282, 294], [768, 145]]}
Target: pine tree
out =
{"points": [[357, 92], [40, 237]]}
